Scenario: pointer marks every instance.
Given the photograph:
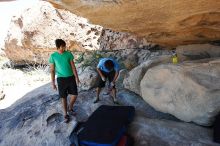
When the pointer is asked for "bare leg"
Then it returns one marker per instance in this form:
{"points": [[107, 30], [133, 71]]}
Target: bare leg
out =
{"points": [[64, 101], [66, 116], [98, 91], [72, 101], [114, 96]]}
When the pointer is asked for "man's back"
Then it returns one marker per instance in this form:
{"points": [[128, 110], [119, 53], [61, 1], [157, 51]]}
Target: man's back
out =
{"points": [[101, 64], [62, 63]]}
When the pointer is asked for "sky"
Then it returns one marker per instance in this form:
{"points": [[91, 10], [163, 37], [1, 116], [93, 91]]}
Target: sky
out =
{"points": [[7, 10]]}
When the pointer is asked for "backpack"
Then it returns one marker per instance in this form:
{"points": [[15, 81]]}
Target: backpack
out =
{"points": [[216, 129], [105, 127]]}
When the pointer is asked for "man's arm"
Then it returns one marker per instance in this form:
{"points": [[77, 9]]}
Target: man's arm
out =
{"points": [[116, 68], [75, 72], [52, 72], [100, 73], [115, 77]]}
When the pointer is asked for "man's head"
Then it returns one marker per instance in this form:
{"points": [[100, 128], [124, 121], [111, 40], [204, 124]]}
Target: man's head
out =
{"points": [[109, 65], [60, 43]]}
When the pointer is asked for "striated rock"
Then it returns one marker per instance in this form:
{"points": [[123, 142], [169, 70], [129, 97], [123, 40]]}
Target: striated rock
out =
{"points": [[32, 33], [37, 119], [111, 40], [190, 91], [167, 22]]}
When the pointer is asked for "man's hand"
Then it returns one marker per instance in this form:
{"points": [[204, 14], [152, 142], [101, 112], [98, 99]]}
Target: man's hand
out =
{"points": [[77, 82], [103, 78], [101, 75], [52, 71], [112, 84], [54, 86]]}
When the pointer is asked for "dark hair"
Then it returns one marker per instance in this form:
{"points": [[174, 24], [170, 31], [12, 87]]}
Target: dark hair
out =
{"points": [[59, 43], [109, 64]]}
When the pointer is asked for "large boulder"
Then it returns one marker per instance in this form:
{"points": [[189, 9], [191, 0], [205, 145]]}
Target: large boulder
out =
{"points": [[88, 78], [32, 33], [190, 91], [134, 77], [167, 22]]}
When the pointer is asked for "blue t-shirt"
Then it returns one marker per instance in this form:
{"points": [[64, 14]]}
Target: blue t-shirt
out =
{"points": [[102, 67]]}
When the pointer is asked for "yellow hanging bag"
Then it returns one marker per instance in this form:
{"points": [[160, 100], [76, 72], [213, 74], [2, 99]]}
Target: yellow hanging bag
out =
{"points": [[174, 58]]}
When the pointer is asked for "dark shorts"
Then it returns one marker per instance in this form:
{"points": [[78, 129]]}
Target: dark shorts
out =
{"points": [[67, 85], [109, 76]]}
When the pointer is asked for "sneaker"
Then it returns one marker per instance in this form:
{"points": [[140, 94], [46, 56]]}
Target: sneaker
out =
{"points": [[115, 101], [96, 100], [72, 112], [66, 118]]}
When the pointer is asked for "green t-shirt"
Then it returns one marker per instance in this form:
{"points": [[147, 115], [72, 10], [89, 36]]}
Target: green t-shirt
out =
{"points": [[62, 63]]}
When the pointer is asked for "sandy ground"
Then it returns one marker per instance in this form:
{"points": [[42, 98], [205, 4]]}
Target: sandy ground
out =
{"points": [[15, 83]]}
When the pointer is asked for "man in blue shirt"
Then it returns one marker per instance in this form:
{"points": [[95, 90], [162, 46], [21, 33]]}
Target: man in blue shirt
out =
{"points": [[107, 68]]}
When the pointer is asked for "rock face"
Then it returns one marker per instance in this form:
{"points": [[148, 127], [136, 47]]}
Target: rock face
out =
{"points": [[167, 22], [197, 51], [190, 91], [32, 34], [111, 40]]}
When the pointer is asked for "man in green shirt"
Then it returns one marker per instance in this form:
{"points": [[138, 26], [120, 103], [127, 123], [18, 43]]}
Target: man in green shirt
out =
{"points": [[61, 63]]}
